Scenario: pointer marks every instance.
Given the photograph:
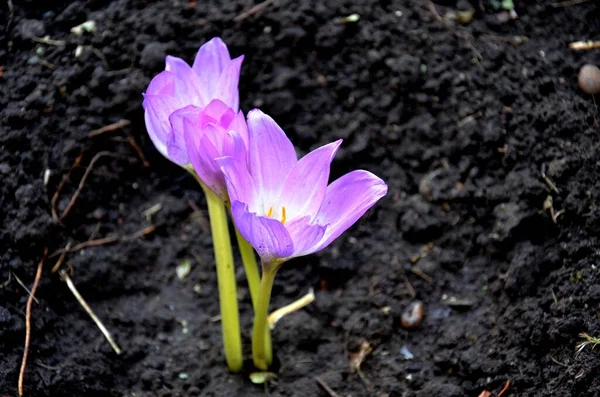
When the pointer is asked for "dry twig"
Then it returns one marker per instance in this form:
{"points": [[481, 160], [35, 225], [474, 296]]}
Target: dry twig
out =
{"points": [[105, 240], [60, 260], [256, 9], [22, 284], [548, 181], [36, 282], [109, 128], [88, 170], [357, 360], [48, 41], [61, 185], [326, 387], [65, 277], [291, 308], [567, 3], [506, 386], [584, 45], [11, 14], [138, 149]]}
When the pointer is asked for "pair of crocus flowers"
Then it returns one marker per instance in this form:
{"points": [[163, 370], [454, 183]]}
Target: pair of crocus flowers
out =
{"points": [[281, 205]]}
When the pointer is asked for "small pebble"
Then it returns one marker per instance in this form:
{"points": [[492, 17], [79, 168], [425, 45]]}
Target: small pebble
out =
{"points": [[412, 316], [406, 353], [589, 79]]}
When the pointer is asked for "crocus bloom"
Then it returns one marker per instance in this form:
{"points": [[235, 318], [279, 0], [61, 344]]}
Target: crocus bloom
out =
{"points": [[214, 75], [284, 206], [206, 134]]}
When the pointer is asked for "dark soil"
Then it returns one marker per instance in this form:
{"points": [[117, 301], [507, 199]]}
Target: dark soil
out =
{"points": [[477, 128]]}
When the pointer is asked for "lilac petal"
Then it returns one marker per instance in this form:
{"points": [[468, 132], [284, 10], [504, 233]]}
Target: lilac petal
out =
{"points": [[158, 108], [227, 84], [305, 236], [187, 83], [210, 61], [268, 236], [239, 183], [233, 146], [202, 152], [305, 186], [346, 200], [215, 110], [271, 154], [162, 84], [238, 124], [176, 145]]}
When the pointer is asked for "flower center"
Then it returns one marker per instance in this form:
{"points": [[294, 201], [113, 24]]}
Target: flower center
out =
{"points": [[283, 217]]}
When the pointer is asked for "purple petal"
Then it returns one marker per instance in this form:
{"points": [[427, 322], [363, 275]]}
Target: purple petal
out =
{"points": [[305, 186], [346, 200], [210, 61], [187, 84], [214, 111], [233, 146], [176, 145], [158, 108], [239, 183], [306, 237], [162, 84], [271, 154], [268, 236], [202, 152], [238, 124], [227, 84]]}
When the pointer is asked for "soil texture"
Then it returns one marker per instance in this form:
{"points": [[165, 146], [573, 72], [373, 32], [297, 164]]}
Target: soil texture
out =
{"points": [[469, 111]]}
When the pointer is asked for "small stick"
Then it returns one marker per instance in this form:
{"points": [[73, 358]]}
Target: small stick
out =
{"points": [[105, 240], [22, 284], [548, 181], [100, 55], [257, 8], [506, 386], [65, 277], [47, 40], [88, 170], [567, 3], [87, 244], [47, 64], [292, 307], [140, 233], [36, 282], [62, 258], [109, 128], [326, 387], [138, 149], [7, 281], [11, 14], [418, 272], [584, 45], [62, 184]]}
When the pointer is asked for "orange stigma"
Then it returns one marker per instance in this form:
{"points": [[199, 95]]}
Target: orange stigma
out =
{"points": [[270, 213]]}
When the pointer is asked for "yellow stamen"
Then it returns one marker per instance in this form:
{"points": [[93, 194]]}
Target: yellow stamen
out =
{"points": [[270, 213], [283, 215]]}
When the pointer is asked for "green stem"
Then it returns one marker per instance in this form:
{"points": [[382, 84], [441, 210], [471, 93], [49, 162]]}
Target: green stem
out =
{"points": [[230, 321], [250, 266], [262, 353]]}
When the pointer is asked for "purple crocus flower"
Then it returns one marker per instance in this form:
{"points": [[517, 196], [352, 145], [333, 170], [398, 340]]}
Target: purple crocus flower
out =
{"points": [[214, 75], [205, 134], [284, 206]]}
